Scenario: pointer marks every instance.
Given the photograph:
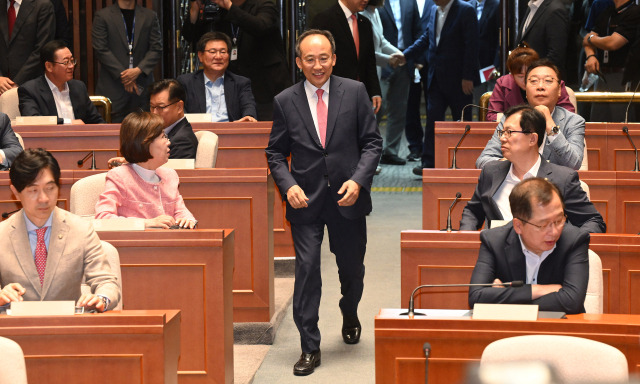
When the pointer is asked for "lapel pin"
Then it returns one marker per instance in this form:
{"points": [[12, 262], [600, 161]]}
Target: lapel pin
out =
{"points": [[59, 236]]}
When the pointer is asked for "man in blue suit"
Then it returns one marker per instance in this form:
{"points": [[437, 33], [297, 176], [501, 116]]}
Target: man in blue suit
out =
{"points": [[451, 43], [327, 127], [488, 15]]}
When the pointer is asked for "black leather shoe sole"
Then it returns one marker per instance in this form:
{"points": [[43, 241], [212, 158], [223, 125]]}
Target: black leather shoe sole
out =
{"points": [[307, 364], [392, 160], [417, 171]]}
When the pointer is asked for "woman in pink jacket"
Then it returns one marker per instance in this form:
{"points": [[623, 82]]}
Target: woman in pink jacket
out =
{"points": [[142, 189]]}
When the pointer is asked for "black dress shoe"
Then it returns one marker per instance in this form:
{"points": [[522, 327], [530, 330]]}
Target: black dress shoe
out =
{"points": [[307, 363], [417, 170], [351, 329], [392, 160], [414, 156]]}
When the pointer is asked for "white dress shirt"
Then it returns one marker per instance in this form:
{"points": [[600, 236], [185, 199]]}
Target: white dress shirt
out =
{"points": [[501, 196], [533, 8], [441, 17], [533, 262], [16, 6], [63, 101]]}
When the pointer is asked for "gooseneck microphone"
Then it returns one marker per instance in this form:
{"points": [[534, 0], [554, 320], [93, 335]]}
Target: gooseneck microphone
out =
{"points": [[7, 214], [626, 113], [91, 155], [625, 130], [426, 348], [455, 150], [411, 310], [477, 106], [448, 229]]}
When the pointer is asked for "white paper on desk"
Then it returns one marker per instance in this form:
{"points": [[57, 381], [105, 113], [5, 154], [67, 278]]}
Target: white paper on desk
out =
{"points": [[198, 117], [525, 312], [36, 120], [180, 164], [485, 73], [119, 224], [42, 308]]}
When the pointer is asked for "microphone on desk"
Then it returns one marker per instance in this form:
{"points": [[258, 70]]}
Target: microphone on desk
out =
{"points": [[91, 155], [625, 130], [426, 348], [448, 229], [453, 162], [7, 214], [477, 106], [626, 113], [410, 312]]}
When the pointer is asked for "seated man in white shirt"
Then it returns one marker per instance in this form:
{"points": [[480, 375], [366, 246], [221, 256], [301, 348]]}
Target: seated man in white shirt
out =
{"points": [[56, 93], [520, 137]]}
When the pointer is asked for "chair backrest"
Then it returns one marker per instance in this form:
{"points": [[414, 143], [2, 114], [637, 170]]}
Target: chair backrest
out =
{"points": [[585, 159], [572, 98], [19, 139], [9, 103], [585, 188], [103, 105], [12, 364], [85, 193], [114, 261], [574, 359], [594, 301], [207, 152]]}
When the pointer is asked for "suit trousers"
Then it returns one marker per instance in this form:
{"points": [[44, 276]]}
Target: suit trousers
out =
{"points": [[413, 128], [347, 241], [439, 98], [395, 93]]}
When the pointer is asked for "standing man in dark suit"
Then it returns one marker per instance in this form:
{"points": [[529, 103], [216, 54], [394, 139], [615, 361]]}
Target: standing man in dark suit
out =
{"points": [[9, 144], [334, 153], [214, 89], [254, 27], [451, 43], [521, 137], [128, 44], [488, 14], [539, 248], [25, 27], [355, 52], [57, 93], [401, 25], [545, 27]]}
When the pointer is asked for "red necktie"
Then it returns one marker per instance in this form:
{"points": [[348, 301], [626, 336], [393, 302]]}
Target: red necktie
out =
{"points": [[41, 253], [321, 110], [356, 34], [11, 16]]}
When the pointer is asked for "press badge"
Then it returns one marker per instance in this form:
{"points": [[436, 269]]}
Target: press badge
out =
{"points": [[605, 58], [234, 53]]}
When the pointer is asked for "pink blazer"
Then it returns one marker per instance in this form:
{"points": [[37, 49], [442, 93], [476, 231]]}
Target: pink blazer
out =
{"points": [[128, 195], [506, 93]]}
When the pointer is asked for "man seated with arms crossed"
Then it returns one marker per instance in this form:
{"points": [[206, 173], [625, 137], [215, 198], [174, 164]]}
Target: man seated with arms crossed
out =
{"points": [[56, 93], [214, 90], [46, 252], [564, 141], [540, 248], [521, 135], [9, 144]]}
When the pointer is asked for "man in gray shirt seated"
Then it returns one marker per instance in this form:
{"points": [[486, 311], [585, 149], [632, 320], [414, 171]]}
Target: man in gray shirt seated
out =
{"points": [[564, 141], [520, 136]]}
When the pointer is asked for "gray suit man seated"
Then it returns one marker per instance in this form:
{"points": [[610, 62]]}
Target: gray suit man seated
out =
{"points": [[521, 135], [9, 144], [540, 248], [564, 141], [46, 252]]}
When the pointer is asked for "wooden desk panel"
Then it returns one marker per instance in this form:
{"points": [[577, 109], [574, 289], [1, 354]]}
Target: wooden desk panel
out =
{"points": [[457, 343], [115, 347], [447, 135], [191, 271]]}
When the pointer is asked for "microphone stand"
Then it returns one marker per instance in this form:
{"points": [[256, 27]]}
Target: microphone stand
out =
{"points": [[455, 150], [625, 130], [449, 228], [91, 154]]}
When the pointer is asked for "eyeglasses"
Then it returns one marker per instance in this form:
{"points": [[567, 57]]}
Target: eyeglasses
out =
{"points": [[214, 52], [312, 60], [507, 132], [559, 223], [161, 108], [547, 81], [67, 63]]}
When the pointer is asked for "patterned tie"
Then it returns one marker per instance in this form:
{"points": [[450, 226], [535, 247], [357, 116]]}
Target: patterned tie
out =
{"points": [[41, 253], [11, 16], [321, 110], [356, 34]]}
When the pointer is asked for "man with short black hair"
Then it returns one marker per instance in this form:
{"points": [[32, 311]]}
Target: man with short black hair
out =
{"points": [[57, 93], [46, 253], [521, 136], [539, 248], [215, 90]]}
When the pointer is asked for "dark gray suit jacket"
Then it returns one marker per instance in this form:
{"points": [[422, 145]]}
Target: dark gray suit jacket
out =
{"points": [[580, 211], [8, 141], [36, 99], [237, 94], [184, 143], [34, 27], [501, 257], [353, 148]]}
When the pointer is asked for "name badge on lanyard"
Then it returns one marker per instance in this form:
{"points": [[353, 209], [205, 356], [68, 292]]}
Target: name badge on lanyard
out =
{"points": [[234, 47], [130, 38], [130, 56]]}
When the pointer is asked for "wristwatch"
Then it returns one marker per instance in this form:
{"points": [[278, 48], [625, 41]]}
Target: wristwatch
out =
{"points": [[589, 38], [554, 130]]}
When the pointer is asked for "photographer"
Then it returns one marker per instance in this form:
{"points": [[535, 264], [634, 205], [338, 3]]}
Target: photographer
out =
{"points": [[257, 48]]}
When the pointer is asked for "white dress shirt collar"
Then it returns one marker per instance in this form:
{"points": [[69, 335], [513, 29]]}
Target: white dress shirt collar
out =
{"points": [[312, 99]]}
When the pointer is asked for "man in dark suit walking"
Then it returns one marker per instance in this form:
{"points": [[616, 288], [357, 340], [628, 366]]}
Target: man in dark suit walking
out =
{"points": [[57, 93], [355, 52], [327, 127], [539, 248], [215, 90]]}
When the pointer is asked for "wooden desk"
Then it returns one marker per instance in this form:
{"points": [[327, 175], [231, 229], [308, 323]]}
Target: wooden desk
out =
{"points": [[608, 149], [190, 271], [113, 347], [435, 257], [456, 343], [614, 195]]}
